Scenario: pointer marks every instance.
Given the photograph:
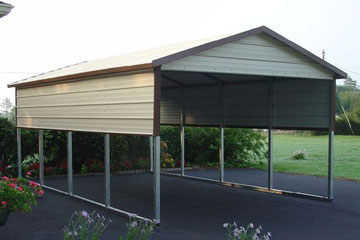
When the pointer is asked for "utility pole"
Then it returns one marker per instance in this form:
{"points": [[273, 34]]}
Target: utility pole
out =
{"points": [[323, 53]]}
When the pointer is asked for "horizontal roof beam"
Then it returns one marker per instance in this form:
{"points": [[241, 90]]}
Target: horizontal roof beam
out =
{"points": [[212, 78], [170, 79]]}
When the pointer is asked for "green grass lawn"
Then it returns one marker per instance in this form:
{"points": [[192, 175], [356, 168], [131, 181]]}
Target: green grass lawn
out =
{"points": [[346, 155]]}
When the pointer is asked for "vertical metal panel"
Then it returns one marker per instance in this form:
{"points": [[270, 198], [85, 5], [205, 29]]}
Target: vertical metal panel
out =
{"points": [[107, 169], [247, 56], [122, 103], [70, 164], [221, 155], [202, 105], [246, 104], [156, 180], [301, 103], [19, 157], [41, 157], [171, 106], [151, 152]]}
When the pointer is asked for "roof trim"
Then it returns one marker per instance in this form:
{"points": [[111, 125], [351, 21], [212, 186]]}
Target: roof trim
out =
{"points": [[84, 75], [191, 51]]}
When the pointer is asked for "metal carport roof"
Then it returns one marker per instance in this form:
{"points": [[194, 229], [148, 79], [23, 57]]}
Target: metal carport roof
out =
{"points": [[159, 56]]}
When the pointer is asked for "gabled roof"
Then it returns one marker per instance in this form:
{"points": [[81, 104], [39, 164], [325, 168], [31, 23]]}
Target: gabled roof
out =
{"points": [[149, 59]]}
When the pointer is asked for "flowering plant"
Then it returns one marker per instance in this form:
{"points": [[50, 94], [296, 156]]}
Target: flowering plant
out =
{"points": [[233, 232], [138, 229], [18, 194], [300, 155], [83, 226]]}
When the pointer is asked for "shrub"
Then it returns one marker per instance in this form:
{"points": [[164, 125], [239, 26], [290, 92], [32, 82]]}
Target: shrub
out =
{"points": [[166, 159], [7, 147], [233, 232], [85, 226], [300, 155], [342, 126], [202, 145]]}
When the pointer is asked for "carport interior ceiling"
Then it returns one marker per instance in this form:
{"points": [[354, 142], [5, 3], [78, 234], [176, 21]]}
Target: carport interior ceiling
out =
{"points": [[254, 79]]}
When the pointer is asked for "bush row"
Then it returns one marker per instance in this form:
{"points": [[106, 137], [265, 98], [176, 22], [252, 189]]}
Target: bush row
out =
{"points": [[127, 152]]}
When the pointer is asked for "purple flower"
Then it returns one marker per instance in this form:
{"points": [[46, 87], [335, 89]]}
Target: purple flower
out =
{"points": [[110, 220], [84, 213], [225, 225], [75, 233], [142, 231], [242, 229], [236, 232], [269, 234], [257, 230], [134, 224], [251, 225]]}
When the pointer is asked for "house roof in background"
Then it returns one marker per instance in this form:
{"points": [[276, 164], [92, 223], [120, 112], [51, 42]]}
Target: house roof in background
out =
{"points": [[5, 9]]}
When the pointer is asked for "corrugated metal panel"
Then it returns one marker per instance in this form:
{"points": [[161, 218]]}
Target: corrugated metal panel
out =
{"points": [[256, 55], [119, 104], [247, 104], [170, 106], [202, 105], [301, 103]]}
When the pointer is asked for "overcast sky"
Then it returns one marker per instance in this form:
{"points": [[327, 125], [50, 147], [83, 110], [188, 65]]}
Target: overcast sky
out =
{"points": [[38, 36]]}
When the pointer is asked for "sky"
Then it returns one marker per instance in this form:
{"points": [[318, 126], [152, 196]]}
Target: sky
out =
{"points": [[41, 35]]}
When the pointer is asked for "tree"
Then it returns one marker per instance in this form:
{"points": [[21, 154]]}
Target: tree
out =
{"points": [[357, 109], [347, 96], [349, 82], [6, 107]]}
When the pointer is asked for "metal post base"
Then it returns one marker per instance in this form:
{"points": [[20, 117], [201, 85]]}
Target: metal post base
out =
{"points": [[111, 209], [254, 188]]}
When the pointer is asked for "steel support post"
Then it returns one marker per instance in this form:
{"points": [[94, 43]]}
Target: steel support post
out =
{"points": [[151, 146], [41, 157], [331, 166], [270, 137], [70, 164], [270, 159], [182, 142], [19, 164], [221, 155], [182, 131], [107, 170], [156, 180], [331, 141]]}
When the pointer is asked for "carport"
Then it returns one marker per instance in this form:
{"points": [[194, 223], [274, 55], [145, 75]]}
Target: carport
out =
{"points": [[254, 79]]}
